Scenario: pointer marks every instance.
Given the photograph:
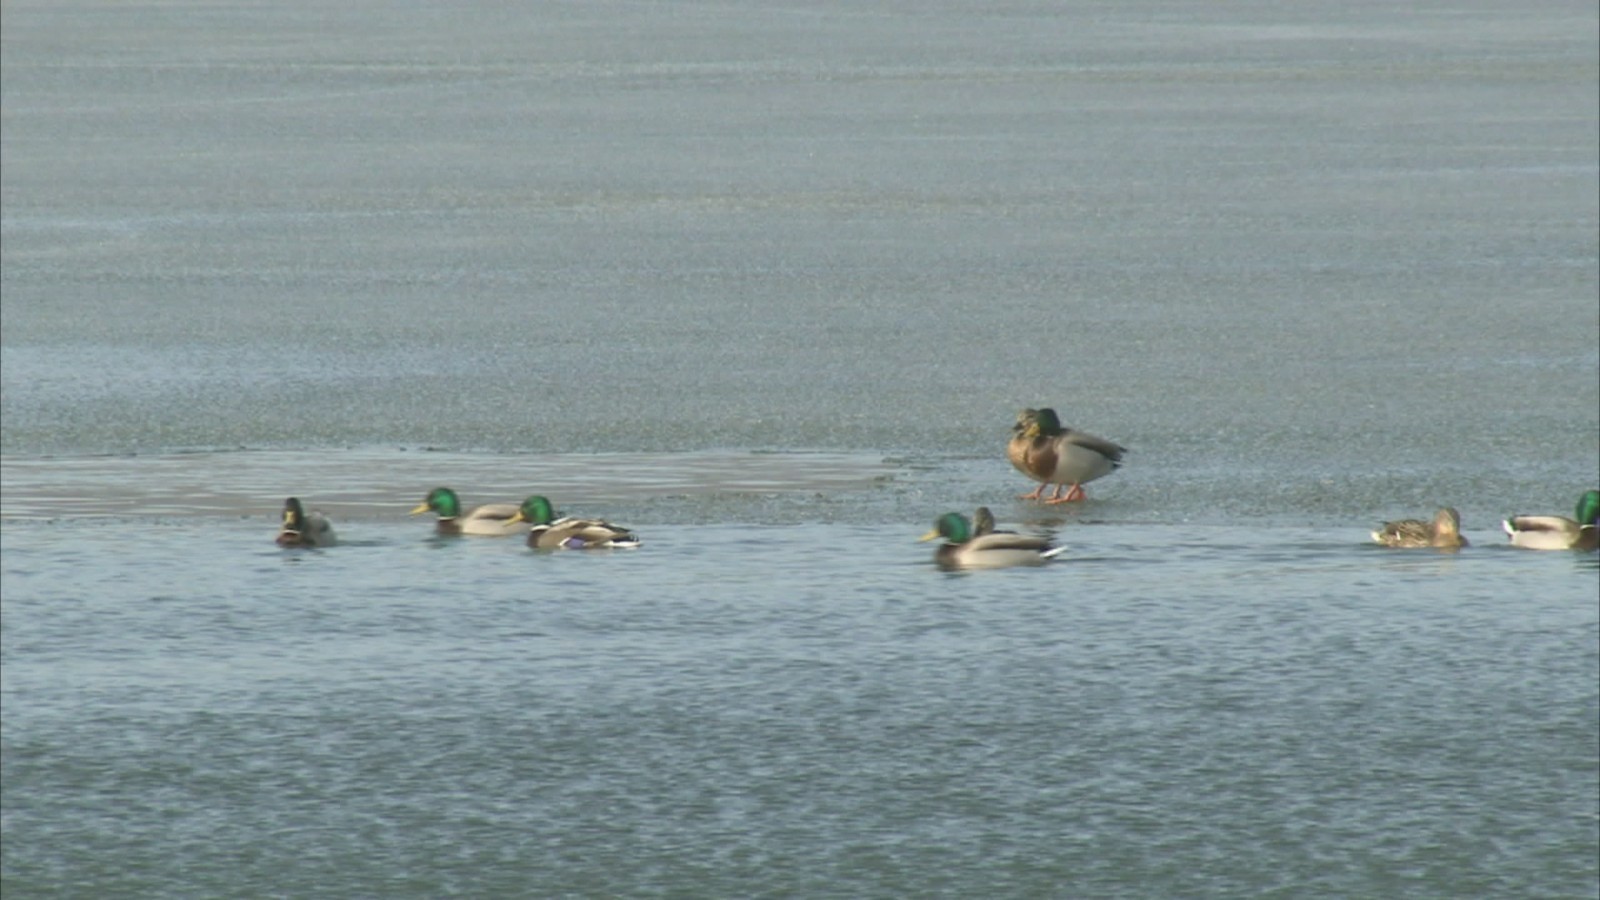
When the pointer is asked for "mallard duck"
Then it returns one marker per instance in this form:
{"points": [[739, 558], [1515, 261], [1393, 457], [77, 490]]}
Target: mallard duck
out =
{"points": [[304, 529], [1050, 454], [550, 533], [964, 549], [490, 519], [1559, 532], [1444, 531]]}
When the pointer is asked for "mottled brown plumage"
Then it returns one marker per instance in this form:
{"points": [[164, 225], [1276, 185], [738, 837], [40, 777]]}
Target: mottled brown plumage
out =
{"points": [[1052, 455], [1443, 532]]}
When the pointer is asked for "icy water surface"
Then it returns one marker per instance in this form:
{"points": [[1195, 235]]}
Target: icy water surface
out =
{"points": [[772, 696], [768, 283], [805, 709]]}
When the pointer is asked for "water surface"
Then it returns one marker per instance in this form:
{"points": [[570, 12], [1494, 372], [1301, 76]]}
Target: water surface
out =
{"points": [[735, 710], [768, 283]]}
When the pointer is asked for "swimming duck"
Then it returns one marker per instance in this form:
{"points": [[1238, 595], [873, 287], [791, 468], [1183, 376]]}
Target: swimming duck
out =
{"points": [[490, 520], [303, 529], [1444, 531], [1559, 532], [964, 549], [550, 533], [1050, 454]]}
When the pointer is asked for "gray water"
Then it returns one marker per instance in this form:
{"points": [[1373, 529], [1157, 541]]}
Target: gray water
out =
{"points": [[768, 283]]}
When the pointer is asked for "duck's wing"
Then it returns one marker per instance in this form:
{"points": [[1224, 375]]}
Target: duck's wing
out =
{"points": [[1405, 533], [996, 550], [1545, 532], [1552, 524], [1006, 540], [1073, 458], [1108, 449], [490, 519], [586, 533], [494, 512]]}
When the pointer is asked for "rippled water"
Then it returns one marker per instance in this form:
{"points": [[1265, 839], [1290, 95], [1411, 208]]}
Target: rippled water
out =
{"points": [[736, 710], [768, 284]]}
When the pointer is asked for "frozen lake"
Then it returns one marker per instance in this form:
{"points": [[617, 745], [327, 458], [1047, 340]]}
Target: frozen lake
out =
{"points": [[769, 282]]}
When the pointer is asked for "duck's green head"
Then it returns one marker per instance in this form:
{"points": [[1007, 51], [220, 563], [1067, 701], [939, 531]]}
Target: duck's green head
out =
{"points": [[1045, 422], [951, 526], [442, 501], [1032, 423], [1589, 508], [536, 509], [294, 515]]}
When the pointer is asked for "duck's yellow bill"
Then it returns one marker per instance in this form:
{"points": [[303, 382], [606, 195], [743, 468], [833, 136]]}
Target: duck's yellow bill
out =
{"points": [[421, 508], [930, 536]]}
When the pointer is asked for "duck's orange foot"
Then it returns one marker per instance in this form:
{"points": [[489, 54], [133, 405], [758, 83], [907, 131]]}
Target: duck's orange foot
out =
{"points": [[1074, 494]]}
